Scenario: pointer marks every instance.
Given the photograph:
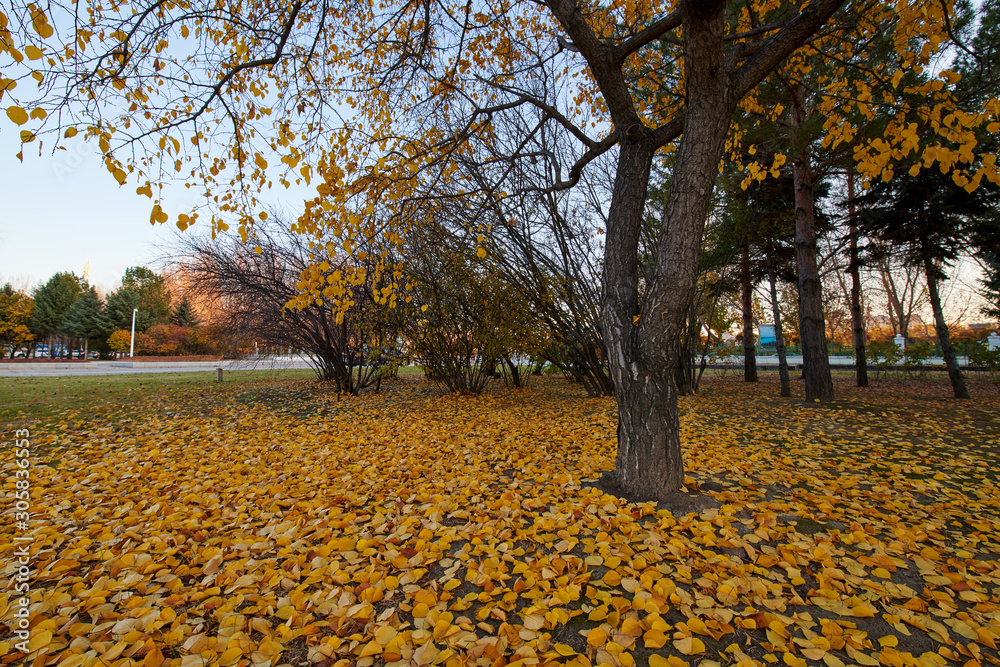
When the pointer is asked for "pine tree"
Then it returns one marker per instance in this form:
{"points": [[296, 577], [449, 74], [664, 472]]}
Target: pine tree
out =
{"points": [[86, 319], [52, 301], [184, 315], [931, 222], [143, 290], [152, 290]]}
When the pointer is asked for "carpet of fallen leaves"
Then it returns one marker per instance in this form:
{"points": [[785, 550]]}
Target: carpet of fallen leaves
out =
{"points": [[282, 526]]}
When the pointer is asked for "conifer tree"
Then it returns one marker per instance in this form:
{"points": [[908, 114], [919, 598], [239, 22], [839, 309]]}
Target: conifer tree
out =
{"points": [[86, 319], [184, 315], [52, 302]]}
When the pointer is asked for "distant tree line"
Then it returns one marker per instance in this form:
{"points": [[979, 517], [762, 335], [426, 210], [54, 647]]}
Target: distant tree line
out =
{"points": [[66, 315]]}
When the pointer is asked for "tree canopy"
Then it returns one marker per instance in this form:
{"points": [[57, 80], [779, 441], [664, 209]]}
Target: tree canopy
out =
{"points": [[52, 301], [86, 318], [16, 311], [379, 101]]}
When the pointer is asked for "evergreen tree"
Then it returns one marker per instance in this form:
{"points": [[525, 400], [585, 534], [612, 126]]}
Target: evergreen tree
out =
{"points": [[931, 222], [86, 319], [980, 72], [52, 301], [119, 310], [152, 290], [143, 290], [184, 315]]}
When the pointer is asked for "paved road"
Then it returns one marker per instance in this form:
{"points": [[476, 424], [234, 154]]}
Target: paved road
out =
{"points": [[128, 368], [279, 363]]}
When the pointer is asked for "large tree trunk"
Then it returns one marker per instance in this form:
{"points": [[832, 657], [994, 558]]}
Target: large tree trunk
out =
{"points": [[779, 338], [746, 298], [812, 330], [944, 338], [857, 317], [642, 353], [648, 460], [643, 340]]}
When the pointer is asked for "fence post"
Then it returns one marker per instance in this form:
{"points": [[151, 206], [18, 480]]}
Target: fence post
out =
{"points": [[218, 375]]}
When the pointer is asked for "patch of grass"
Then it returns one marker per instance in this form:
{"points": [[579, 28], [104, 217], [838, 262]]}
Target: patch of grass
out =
{"points": [[29, 399]]}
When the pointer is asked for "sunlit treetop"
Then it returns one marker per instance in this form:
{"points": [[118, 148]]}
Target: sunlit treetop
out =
{"points": [[879, 83], [383, 107]]}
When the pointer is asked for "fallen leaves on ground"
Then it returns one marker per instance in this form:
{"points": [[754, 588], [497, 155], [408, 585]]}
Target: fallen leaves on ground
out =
{"points": [[411, 529]]}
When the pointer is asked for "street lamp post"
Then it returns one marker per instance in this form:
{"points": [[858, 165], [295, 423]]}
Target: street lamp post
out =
{"points": [[131, 345]]}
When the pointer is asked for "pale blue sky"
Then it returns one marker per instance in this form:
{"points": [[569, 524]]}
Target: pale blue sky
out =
{"points": [[61, 210]]}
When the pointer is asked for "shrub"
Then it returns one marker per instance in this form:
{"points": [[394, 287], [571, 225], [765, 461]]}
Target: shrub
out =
{"points": [[165, 339], [884, 354], [986, 358], [915, 354], [120, 340]]}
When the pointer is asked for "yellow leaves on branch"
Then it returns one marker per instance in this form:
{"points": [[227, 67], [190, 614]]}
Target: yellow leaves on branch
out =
{"points": [[157, 216], [757, 172], [925, 123], [40, 22]]}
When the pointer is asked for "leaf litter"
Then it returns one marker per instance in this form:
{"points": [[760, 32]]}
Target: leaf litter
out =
{"points": [[412, 529]]}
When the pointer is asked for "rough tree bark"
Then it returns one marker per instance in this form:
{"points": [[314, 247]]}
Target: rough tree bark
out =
{"points": [[643, 347], [941, 326], [857, 318], [642, 355], [746, 299], [812, 329], [779, 338]]}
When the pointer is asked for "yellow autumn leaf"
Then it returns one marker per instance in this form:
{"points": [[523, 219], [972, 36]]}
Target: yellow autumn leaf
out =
{"points": [[597, 637], [564, 650], [18, 115], [792, 660], [38, 640], [654, 639], [689, 645]]}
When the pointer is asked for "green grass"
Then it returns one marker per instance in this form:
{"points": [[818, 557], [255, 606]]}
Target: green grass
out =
{"points": [[30, 399], [410, 370], [27, 399]]}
